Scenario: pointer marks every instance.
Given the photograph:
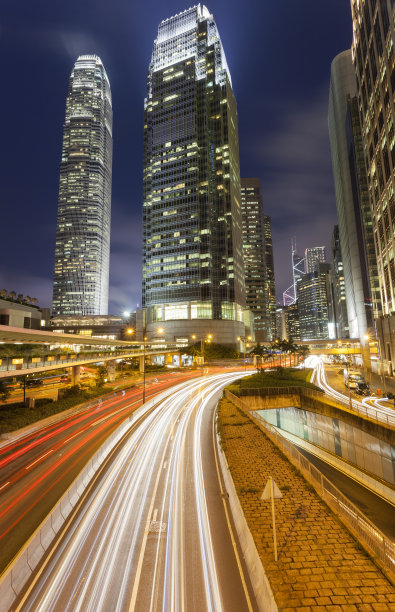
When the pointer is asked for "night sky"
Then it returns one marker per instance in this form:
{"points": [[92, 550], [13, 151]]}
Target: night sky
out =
{"points": [[279, 55]]}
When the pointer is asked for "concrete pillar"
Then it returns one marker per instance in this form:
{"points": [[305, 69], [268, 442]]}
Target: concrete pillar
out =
{"points": [[169, 358], [142, 364], [75, 375], [110, 365]]}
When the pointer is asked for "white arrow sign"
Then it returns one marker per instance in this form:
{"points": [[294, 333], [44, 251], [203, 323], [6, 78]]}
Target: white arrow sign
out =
{"points": [[267, 491], [271, 491]]}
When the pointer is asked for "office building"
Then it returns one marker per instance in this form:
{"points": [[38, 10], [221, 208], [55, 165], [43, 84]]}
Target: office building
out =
{"points": [[312, 257], [313, 304], [193, 275], [352, 201], [82, 252], [339, 288], [270, 280], [258, 258], [374, 63], [292, 325]]}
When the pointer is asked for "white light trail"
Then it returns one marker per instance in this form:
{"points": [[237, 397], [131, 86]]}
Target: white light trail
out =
{"points": [[107, 560]]}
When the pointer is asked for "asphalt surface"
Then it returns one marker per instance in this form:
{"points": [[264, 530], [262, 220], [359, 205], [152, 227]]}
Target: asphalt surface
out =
{"points": [[37, 468], [152, 533]]}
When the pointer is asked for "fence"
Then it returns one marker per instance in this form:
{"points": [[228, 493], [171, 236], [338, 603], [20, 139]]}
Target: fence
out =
{"points": [[367, 533]]}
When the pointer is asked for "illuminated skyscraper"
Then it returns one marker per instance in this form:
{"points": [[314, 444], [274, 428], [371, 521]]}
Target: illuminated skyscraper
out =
{"points": [[313, 256], [82, 252], [374, 63], [258, 260], [193, 278]]}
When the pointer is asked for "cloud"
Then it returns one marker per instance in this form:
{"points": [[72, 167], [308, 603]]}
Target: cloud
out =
{"points": [[297, 181]]}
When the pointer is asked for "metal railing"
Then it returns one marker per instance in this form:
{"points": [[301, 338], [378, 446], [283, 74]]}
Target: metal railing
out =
{"points": [[370, 413], [364, 530]]}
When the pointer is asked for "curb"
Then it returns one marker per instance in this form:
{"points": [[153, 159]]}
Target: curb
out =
{"points": [[259, 580]]}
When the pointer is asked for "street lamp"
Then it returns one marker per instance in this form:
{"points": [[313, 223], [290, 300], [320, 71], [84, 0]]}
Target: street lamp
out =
{"points": [[160, 330], [208, 339]]}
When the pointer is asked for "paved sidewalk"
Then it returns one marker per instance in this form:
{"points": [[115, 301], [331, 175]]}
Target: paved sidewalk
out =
{"points": [[320, 566]]}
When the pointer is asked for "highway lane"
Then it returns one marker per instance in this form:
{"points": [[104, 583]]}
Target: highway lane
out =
{"points": [[379, 411], [37, 468], [153, 534]]}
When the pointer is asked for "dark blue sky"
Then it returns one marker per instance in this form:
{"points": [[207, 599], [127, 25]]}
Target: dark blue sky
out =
{"points": [[279, 55]]}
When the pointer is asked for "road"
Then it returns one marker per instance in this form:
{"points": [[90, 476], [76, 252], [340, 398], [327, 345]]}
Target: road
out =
{"points": [[373, 407], [36, 468], [153, 534]]}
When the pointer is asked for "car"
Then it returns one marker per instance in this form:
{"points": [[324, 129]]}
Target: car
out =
{"points": [[34, 382], [362, 388]]}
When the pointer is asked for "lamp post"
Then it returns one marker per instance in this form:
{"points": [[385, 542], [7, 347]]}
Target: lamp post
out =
{"points": [[202, 341], [244, 339]]}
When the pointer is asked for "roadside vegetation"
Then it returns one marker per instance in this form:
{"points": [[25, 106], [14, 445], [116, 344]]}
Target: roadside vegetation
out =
{"points": [[16, 416], [280, 377]]}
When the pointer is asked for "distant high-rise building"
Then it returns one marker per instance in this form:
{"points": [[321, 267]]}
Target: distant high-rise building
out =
{"points": [[312, 257], [292, 325], [374, 63], [82, 253], [290, 295], [352, 199], [254, 257], [193, 275], [270, 280], [339, 288], [313, 303]]}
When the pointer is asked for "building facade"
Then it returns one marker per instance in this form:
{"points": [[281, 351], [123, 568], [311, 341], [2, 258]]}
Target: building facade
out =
{"points": [[82, 252], [374, 63], [193, 275], [339, 288], [313, 304], [313, 256], [352, 200], [270, 279], [258, 259]]}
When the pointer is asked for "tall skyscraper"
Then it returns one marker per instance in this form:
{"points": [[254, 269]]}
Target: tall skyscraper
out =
{"points": [[352, 199], [313, 303], [193, 276], [270, 280], [374, 63], [258, 260], [290, 295], [82, 253], [313, 256], [339, 288]]}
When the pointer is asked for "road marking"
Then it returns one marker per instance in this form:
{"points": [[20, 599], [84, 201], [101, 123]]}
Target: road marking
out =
{"points": [[223, 497], [164, 465], [136, 583], [4, 485], [71, 437], [155, 514], [39, 459]]}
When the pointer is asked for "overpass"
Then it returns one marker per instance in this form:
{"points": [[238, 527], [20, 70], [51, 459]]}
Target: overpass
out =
{"points": [[347, 346], [77, 350]]}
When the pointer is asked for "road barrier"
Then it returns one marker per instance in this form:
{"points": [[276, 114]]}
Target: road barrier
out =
{"points": [[379, 546], [21, 568], [260, 583]]}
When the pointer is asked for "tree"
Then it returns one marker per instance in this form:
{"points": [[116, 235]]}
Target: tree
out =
{"points": [[101, 377], [20, 297], [303, 351], [12, 295], [4, 390], [3, 293]]}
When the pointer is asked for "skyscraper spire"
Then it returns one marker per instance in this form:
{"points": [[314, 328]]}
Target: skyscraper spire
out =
{"points": [[82, 252]]}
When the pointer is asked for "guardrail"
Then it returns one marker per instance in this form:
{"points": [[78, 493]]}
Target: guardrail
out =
{"points": [[363, 529], [372, 414]]}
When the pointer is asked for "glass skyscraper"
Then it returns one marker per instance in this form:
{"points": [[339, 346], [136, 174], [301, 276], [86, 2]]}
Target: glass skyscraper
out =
{"points": [[82, 253], [193, 277]]}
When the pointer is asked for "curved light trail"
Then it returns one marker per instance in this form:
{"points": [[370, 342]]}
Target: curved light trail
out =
{"points": [[144, 538], [379, 412]]}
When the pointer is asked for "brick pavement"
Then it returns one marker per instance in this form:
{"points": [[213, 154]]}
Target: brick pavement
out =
{"points": [[320, 566]]}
